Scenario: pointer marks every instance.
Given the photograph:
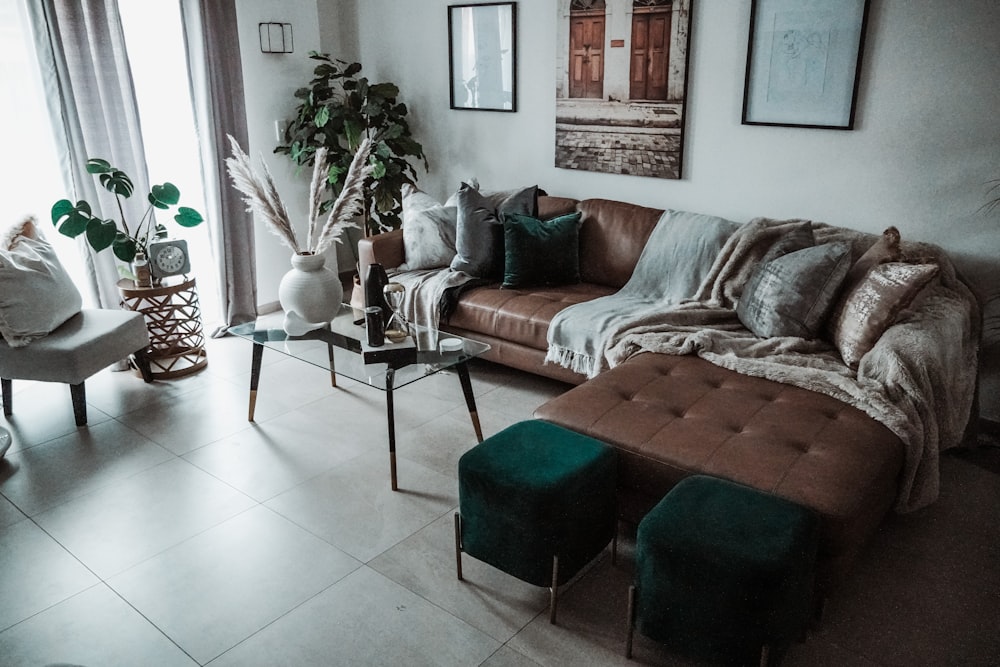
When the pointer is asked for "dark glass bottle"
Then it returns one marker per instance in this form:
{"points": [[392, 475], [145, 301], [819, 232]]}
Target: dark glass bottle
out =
{"points": [[375, 282]]}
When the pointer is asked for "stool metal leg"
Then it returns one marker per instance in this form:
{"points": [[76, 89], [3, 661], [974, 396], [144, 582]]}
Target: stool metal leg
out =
{"points": [[458, 546], [630, 623], [554, 590], [614, 544]]}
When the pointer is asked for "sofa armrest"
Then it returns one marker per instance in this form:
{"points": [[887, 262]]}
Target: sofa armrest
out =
{"points": [[385, 249]]}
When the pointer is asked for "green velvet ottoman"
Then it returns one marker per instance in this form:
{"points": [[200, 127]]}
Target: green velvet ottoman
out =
{"points": [[536, 501], [723, 572]]}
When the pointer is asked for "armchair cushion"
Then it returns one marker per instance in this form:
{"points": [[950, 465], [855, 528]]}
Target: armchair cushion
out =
{"points": [[86, 343], [36, 293]]}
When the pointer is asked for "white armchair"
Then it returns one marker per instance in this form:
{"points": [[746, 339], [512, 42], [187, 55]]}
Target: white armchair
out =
{"points": [[86, 343], [45, 334]]}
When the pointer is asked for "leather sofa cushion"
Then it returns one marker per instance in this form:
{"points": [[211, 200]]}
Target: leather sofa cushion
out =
{"points": [[673, 416], [518, 315], [612, 236], [553, 207]]}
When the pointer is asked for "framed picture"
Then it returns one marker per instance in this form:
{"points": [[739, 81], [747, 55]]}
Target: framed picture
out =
{"points": [[482, 56], [622, 85], [803, 61]]}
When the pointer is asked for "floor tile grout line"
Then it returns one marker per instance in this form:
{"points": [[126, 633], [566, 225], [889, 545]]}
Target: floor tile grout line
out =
{"points": [[286, 613], [101, 581]]}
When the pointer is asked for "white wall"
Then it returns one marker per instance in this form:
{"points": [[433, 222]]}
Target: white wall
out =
{"points": [[270, 81], [926, 140]]}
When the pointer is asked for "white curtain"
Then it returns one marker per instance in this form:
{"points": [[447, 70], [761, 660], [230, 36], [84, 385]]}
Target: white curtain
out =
{"points": [[215, 68], [88, 85]]}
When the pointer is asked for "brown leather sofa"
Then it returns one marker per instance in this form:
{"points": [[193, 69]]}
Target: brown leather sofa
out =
{"points": [[671, 417]]}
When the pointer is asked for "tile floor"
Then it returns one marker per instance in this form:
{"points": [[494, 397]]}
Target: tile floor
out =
{"points": [[171, 531]]}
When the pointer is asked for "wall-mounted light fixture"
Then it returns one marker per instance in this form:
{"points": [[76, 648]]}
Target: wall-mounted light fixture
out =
{"points": [[275, 37]]}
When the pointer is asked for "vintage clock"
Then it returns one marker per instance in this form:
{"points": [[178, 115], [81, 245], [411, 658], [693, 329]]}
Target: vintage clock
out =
{"points": [[169, 258]]}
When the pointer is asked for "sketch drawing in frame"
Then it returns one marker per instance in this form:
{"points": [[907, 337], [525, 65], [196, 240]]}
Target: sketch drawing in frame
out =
{"points": [[621, 84], [482, 56], [803, 63]]}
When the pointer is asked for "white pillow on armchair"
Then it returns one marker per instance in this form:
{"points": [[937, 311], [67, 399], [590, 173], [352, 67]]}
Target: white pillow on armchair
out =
{"points": [[36, 293]]}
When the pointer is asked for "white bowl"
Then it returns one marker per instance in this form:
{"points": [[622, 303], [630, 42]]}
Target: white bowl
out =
{"points": [[449, 345]]}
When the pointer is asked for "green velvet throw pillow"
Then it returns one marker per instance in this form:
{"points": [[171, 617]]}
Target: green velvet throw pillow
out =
{"points": [[541, 252]]}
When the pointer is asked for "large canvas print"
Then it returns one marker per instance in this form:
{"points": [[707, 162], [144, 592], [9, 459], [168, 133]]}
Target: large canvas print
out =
{"points": [[621, 81]]}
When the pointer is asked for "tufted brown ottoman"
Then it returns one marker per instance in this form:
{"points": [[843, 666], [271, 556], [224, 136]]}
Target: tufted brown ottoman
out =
{"points": [[671, 417]]}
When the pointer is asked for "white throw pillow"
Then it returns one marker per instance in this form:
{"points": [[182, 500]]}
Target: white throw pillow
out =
{"points": [[36, 293], [428, 231]]}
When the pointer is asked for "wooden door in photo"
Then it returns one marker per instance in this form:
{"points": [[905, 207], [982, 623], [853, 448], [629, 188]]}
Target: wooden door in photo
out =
{"points": [[650, 54], [586, 54]]}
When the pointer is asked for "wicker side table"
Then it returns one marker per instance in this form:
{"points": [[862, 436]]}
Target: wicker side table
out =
{"points": [[173, 319]]}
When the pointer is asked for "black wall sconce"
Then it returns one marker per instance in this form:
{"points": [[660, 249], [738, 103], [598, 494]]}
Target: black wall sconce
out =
{"points": [[275, 37]]}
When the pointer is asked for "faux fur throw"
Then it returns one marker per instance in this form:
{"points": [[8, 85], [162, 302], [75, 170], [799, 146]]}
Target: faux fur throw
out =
{"points": [[677, 257], [918, 380]]}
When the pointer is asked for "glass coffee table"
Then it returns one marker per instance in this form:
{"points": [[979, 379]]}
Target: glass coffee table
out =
{"points": [[340, 350]]}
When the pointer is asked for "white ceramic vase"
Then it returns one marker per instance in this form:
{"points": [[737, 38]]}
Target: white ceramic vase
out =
{"points": [[310, 293]]}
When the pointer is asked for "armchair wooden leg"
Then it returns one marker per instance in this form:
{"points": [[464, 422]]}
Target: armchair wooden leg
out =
{"points": [[8, 396], [142, 362], [79, 394]]}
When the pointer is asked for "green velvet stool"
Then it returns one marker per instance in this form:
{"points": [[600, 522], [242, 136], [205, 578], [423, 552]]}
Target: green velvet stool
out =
{"points": [[723, 572], [536, 501]]}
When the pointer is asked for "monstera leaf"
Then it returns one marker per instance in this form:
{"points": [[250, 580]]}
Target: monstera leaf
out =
{"points": [[188, 217], [101, 233], [164, 196]]}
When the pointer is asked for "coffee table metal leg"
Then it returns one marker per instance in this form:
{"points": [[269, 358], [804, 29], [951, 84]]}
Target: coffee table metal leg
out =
{"points": [[258, 354], [391, 421], [333, 367], [470, 398]]}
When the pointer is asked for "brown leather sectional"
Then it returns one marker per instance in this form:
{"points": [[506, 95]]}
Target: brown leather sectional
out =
{"points": [[671, 417]]}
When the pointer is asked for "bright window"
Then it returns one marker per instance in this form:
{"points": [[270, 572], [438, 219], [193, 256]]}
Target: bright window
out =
{"points": [[30, 178], [154, 39], [29, 171]]}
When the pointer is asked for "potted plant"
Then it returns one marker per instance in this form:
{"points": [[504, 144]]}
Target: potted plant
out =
{"points": [[125, 241], [336, 111]]}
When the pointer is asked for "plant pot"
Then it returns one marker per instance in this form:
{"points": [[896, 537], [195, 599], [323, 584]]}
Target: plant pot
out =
{"points": [[357, 294], [310, 293]]}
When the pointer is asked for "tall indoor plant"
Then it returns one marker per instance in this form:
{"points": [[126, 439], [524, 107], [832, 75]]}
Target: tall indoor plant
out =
{"points": [[336, 111]]}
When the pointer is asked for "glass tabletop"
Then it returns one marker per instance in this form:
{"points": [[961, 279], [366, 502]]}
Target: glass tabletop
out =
{"points": [[340, 348]]}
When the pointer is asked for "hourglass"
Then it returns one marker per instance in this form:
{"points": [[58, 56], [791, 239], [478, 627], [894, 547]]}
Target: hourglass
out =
{"points": [[396, 329]]}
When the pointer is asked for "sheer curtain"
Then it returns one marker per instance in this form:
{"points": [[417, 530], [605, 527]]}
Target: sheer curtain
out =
{"points": [[81, 50], [215, 68]]}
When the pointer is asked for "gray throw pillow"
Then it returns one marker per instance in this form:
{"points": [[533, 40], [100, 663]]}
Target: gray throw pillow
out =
{"points": [[479, 232], [792, 294], [428, 231], [522, 201]]}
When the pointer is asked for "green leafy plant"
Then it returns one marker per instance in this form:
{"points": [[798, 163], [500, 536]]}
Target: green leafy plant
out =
{"points": [[75, 219], [336, 111]]}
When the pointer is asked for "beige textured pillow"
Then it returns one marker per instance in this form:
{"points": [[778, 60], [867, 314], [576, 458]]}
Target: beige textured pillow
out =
{"points": [[863, 315], [36, 293]]}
